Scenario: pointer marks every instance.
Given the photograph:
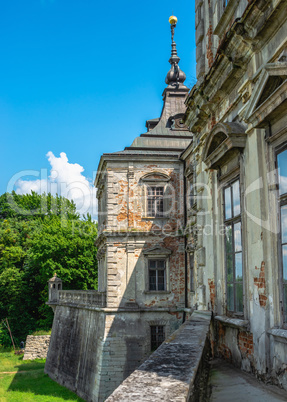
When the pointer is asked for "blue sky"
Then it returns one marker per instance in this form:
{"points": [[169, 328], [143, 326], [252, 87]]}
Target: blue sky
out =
{"points": [[81, 77]]}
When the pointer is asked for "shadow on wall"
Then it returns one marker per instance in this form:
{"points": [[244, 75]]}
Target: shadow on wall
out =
{"points": [[128, 332]]}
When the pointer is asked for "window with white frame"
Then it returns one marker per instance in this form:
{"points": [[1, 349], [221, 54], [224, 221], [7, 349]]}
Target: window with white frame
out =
{"points": [[157, 274], [157, 269], [233, 248], [282, 174], [157, 195], [155, 201]]}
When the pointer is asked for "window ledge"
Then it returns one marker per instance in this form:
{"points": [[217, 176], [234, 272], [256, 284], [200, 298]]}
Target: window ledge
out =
{"points": [[233, 322], [161, 292], [154, 217], [278, 333]]}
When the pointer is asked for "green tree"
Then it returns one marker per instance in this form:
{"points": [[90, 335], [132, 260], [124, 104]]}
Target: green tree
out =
{"points": [[48, 237]]}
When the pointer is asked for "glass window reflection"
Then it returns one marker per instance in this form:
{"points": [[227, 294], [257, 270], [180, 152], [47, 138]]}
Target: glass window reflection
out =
{"points": [[238, 266], [236, 198], [284, 223], [237, 236], [282, 172], [227, 200]]}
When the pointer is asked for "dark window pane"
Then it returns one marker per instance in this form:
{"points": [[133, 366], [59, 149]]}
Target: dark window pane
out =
{"points": [[228, 236], [282, 172], [230, 297], [239, 297], [160, 334], [227, 201], [238, 267], [156, 274], [152, 279], [160, 276], [157, 336], [236, 198], [160, 263], [158, 207], [237, 237], [229, 264], [284, 258], [284, 223]]}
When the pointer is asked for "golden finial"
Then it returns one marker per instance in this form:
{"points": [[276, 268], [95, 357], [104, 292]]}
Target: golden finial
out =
{"points": [[172, 20]]}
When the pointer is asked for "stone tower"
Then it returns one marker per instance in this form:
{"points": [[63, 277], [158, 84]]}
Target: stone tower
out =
{"points": [[99, 338]]}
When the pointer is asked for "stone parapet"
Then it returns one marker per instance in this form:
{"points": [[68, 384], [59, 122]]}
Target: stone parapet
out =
{"points": [[36, 347], [82, 298], [172, 371]]}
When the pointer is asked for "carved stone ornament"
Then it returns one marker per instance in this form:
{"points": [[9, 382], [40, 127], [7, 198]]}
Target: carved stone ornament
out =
{"points": [[222, 139]]}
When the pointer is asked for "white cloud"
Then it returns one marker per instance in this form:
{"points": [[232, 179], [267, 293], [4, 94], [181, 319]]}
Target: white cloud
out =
{"points": [[65, 179]]}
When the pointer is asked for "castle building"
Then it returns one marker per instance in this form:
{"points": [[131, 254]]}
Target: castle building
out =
{"points": [[99, 338], [237, 167], [192, 216]]}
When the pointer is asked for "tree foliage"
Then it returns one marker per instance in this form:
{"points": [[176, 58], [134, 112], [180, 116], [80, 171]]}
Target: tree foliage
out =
{"points": [[48, 236]]}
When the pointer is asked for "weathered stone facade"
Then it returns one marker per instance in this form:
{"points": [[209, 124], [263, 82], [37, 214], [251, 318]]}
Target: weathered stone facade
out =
{"points": [[192, 214], [237, 114], [99, 338]]}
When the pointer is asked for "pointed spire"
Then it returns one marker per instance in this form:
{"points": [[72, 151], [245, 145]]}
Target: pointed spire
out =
{"points": [[175, 76]]}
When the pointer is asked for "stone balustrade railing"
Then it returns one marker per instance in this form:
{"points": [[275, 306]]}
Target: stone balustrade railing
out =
{"points": [[90, 298]]}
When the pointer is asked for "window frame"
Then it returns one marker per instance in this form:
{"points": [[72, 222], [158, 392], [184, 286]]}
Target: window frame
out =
{"points": [[155, 198], [148, 181], [157, 253], [232, 221], [156, 269], [158, 343], [281, 201]]}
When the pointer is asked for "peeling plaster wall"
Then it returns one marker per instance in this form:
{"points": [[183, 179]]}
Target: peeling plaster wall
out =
{"points": [[231, 57], [129, 233]]}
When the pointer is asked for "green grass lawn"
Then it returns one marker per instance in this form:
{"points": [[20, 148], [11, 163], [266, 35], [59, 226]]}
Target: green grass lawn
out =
{"points": [[25, 381]]}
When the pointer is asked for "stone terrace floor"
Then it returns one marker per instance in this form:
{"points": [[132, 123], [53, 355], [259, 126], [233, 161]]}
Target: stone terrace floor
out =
{"points": [[230, 384]]}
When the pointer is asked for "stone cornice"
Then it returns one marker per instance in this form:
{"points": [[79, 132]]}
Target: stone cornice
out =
{"points": [[259, 22]]}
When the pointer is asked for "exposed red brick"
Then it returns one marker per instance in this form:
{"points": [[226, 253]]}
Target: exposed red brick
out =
{"points": [[245, 343], [212, 293], [261, 285]]}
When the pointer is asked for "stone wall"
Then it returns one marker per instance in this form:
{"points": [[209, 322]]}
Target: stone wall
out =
{"points": [[74, 357], [36, 347], [171, 372], [93, 350]]}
